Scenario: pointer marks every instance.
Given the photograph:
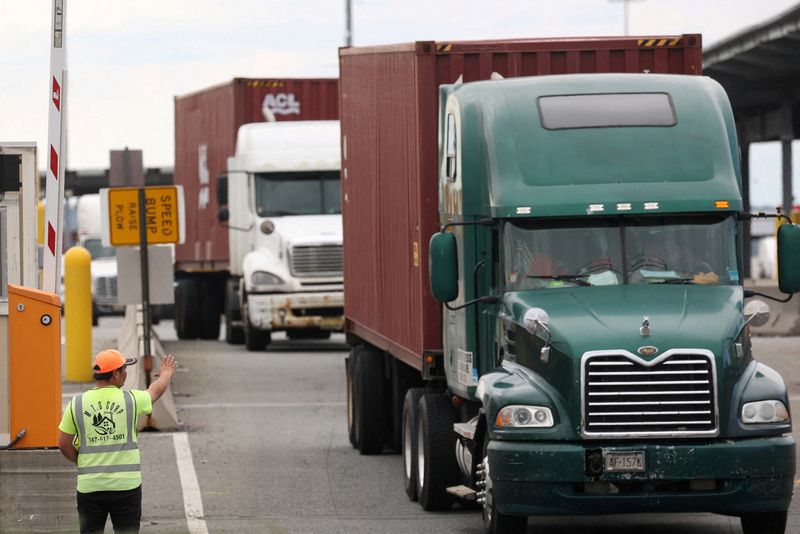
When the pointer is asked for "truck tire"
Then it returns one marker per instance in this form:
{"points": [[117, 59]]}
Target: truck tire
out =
{"points": [[210, 310], [765, 523], [436, 460], [495, 522], [187, 305], [403, 378], [409, 439], [349, 364], [368, 401], [255, 339], [233, 313]]}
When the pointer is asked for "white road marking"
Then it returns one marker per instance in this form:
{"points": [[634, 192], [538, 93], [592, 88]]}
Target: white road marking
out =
{"points": [[192, 499], [260, 405]]}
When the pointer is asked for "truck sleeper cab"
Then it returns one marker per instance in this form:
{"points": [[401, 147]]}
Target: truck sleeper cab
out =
{"points": [[595, 315]]}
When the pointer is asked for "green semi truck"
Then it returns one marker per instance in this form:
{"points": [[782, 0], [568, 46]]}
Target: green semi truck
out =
{"points": [[595, 350]]}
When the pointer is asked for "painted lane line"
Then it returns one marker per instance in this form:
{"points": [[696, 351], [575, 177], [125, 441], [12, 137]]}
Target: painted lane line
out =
{"points": [[217, 405], [192, 499]]}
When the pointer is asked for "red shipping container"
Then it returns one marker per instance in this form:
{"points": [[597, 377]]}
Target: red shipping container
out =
{"points": [[206, 123], [389, 105]]}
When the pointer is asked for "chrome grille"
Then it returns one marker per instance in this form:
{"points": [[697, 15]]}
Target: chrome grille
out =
{"points": [[316, 260], [105, 290], [673, 396]]}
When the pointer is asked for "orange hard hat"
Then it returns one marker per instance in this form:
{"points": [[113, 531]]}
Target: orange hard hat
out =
{"points": [[110, 360]]}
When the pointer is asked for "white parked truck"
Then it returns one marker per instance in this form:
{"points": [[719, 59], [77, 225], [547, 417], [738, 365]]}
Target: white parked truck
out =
{"points": [[104, 261], [285, 233]]}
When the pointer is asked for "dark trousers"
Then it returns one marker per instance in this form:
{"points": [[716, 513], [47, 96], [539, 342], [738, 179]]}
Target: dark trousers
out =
{"points": [[125, 508]]}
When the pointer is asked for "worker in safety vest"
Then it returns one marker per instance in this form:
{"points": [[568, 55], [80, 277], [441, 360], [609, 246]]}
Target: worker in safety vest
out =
{"points": [[98, 432]]}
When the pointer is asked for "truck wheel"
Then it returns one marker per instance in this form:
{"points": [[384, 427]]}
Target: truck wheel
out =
{"points": [[495, 522], [368, 401], [187, 304], [409, 439], [403, 378], [436, 444], [209, 310], [765, 523], [233, 334], [349, 364], [255, 339]]}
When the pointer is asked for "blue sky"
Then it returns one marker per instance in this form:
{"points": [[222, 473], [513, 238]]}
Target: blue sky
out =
{"points": [[127, 60]]}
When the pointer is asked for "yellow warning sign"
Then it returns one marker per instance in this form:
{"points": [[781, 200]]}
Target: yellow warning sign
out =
{"points": [[161, 214]]}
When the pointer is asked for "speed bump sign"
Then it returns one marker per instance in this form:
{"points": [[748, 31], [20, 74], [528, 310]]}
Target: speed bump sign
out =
{"points": [[164, 214]]}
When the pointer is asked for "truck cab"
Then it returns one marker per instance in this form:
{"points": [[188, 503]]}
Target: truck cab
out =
{"points": [[595, 319], [285, 232]]}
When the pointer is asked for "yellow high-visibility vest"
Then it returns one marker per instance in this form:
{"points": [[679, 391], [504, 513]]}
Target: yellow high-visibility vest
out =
{"points": [[108, 451]]}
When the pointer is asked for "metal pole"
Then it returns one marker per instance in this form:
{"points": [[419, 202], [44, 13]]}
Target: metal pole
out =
{"points": [[145, 283], [348, 32], [786, 153]]}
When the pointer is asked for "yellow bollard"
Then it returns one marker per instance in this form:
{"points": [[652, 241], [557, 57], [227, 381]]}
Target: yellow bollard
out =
{"points": [[78, 314], [40, 222]]}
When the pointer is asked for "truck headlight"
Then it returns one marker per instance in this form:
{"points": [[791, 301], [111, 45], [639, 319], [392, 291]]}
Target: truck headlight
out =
{"points": [[524, 417], [263, 278], [768, 411]]}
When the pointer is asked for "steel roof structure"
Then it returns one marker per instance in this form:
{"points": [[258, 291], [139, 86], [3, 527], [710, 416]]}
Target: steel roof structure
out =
{"points": [[760, 70]]}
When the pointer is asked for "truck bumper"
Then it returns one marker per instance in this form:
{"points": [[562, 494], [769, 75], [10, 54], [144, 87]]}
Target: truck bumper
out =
{"points": [[749, 475], [284, 311]]}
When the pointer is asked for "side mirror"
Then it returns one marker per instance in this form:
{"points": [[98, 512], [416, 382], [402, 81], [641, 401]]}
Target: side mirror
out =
{"points": [[443, 266], [789, 258], [223, 215], [756, 313], [222, 190]]}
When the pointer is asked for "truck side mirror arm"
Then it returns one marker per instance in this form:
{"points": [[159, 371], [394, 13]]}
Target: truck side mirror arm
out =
{"points": [[488, 299]]}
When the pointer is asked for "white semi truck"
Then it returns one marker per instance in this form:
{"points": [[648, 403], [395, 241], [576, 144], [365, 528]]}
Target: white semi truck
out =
{"points": [[281, 204]]}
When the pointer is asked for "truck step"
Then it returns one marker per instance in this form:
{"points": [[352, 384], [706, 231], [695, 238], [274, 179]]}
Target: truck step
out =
{"points": [[462, 492]]}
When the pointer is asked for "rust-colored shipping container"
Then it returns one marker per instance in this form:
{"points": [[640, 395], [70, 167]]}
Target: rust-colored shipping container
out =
{"points": [[389, 105], [206, 123]]}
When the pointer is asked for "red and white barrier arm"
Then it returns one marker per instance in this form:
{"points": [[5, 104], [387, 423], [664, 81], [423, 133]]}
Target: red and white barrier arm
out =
{"points": [[56, 150]]}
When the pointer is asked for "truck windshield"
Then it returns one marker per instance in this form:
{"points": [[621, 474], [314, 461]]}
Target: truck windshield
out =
{"points": [[297, 193], [635, 250], [97, 250]]}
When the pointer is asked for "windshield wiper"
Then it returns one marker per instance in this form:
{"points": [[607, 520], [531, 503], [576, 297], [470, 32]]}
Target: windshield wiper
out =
{"points": [[674, 281], [574, 278]]}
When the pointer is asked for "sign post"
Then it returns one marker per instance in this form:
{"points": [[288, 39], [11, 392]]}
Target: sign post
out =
{"points": [[148, 360], [142, 216]]}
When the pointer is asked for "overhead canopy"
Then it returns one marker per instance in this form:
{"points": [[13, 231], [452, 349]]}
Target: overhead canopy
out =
{"points": [[760, 70]]}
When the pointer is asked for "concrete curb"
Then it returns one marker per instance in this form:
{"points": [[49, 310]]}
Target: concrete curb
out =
{"points": [[130, 340], [37, 493]]}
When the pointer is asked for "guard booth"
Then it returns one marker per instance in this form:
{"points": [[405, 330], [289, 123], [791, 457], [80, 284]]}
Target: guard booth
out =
{"points": [[30, 356]]}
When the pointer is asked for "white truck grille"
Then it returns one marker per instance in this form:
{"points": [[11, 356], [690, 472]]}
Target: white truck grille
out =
{"points": [[627, 397], [316, 260]]}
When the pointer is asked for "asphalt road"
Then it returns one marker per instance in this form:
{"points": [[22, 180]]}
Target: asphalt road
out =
{"points": [[267, 433]]}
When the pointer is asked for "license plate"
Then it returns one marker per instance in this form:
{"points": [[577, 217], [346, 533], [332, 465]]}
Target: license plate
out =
{"points": [[624, 462]]}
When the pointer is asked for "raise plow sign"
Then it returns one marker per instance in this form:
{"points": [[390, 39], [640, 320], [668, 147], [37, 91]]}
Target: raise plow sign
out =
{"points": [[164, 215]]}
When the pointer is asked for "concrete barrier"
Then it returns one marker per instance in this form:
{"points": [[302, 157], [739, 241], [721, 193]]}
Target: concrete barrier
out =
{"points": [[784, 317], [130, 340], [37, 492]]}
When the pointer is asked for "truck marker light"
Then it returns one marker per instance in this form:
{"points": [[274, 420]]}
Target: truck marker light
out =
{"points": [[651, 205], [722, 204], [624, 206], [525, 210], [594, 208]]}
